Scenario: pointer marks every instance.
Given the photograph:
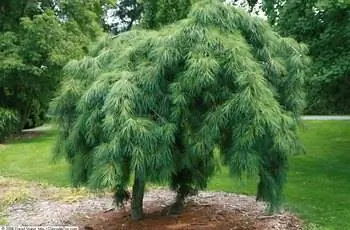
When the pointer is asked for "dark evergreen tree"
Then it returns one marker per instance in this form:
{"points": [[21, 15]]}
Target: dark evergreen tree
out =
{"points": [[154, 105]]}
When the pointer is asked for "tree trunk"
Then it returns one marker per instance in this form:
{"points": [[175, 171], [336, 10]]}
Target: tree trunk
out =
{"points": [[24, 115], [138, 190], [177, 207]]}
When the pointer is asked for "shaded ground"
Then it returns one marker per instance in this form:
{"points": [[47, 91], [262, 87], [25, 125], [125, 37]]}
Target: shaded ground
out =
{"points": [[28, 134], [35, 132]]}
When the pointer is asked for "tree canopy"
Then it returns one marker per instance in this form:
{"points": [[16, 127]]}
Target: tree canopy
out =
{"points": [[155, 105]]}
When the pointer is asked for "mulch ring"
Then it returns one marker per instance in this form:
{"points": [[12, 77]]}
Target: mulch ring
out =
{"points": [[194, 216]]}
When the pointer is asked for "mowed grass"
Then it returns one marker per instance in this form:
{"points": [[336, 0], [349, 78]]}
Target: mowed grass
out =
{"points": [[31, 159], [318, 187]]}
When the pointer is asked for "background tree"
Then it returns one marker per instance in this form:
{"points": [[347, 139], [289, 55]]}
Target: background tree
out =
{"points": [[124, 15], [324, 26], [37, 39], [154, 105], [153, 14], [8, 123], [328, 38], [149, 14]]}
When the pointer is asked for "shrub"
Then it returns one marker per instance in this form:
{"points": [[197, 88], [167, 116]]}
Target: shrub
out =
{"points": [[9, 123]]}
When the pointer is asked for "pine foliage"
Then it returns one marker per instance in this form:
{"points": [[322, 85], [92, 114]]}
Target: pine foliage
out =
{"points": [[155, 104]]}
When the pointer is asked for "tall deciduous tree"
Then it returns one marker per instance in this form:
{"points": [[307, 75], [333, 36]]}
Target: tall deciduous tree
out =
{"points": [[158, 13], [154, 105], [149, 14], [325, 27], [37, 38], [124, 15]]}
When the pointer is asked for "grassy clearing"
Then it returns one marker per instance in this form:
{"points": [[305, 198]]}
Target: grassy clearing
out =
{"points": [[30, 159], [318, 184]]}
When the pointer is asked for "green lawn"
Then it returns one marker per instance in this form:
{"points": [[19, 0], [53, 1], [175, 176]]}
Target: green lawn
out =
{"points": [[318, 186], [31, 159]]}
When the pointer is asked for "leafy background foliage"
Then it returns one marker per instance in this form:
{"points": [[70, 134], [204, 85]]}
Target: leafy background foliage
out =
{"points": [[36, 41], [324, 26], [9, 123]]}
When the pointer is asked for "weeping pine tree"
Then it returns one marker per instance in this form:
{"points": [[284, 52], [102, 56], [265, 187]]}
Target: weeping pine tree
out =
{"points": [[152, 106]]}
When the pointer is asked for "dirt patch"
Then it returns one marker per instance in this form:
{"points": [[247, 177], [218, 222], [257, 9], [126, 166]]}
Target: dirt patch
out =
{"points": [[208, 210], [51, 206], [195, 216]]}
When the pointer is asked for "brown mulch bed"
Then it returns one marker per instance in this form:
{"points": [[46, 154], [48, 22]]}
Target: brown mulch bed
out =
{"points": [[193, 217], [198, 214]]}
